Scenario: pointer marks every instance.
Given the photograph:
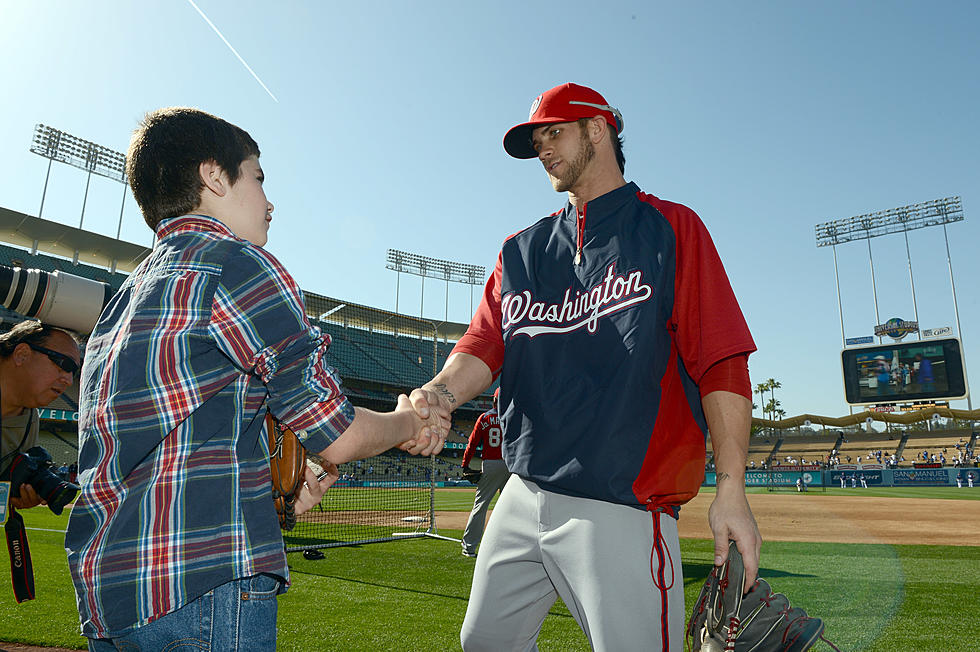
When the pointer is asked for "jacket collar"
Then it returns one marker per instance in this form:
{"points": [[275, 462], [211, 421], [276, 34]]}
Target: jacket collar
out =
{"points": [[606, 204], [192, 224]]}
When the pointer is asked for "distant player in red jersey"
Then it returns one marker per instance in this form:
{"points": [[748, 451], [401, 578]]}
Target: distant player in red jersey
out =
{"points": [[493, 477]]}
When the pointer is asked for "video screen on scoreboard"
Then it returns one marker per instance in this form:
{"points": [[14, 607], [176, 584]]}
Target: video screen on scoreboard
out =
{"points": [[904, 371]]}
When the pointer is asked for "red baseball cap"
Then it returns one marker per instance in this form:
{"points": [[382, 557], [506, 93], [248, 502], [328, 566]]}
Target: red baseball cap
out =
{"points": [[565, 103]]}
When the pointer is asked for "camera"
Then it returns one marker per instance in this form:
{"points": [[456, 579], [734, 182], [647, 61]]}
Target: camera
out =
{"points": [[34, 468], [55, 298]]}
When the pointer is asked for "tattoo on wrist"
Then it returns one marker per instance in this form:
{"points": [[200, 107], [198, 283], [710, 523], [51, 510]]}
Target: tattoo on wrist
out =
{"points": [[722, 476], [443, 391]]}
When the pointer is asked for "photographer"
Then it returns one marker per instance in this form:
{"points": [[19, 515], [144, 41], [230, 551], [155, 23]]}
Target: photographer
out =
{"points": [[37, 364]]}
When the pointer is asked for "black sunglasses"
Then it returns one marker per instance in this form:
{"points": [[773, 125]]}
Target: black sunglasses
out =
{"points": [[63, 361]]}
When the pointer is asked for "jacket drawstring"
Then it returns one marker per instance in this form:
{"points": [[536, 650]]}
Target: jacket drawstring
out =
{"points": [[662, 551]]}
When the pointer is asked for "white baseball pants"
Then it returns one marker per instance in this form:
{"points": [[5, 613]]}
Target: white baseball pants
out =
{"points": [[617, 569]]}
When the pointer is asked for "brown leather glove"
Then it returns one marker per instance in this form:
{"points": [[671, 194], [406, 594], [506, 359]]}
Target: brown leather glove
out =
{"points": [[287, 462]]}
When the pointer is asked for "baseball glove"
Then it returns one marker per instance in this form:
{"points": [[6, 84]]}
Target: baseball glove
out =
{"points": [[723, 620], [287, 463], [473, 475]]}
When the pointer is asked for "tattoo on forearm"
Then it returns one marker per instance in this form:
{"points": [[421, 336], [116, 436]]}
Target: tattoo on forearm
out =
{"points": [[722, 476], [442, 390]]}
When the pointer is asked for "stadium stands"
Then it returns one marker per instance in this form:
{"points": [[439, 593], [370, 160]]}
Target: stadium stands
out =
{"points": [[810, 447], [14, 257], [381, 357], [817, 447]]}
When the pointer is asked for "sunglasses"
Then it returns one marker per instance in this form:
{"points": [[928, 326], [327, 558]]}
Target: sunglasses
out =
{"points": [[64, 362]]}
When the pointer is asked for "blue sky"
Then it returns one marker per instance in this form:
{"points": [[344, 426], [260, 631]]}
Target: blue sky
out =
{"points": [[766, 118]]}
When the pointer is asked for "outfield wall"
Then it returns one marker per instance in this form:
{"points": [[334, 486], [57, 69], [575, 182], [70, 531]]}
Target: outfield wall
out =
{"points": [[905, 477], [874, 477]]}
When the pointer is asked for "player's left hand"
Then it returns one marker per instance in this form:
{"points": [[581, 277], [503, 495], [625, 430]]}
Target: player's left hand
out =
{"points": [[312, 491], [28, 498], [730, 518]]}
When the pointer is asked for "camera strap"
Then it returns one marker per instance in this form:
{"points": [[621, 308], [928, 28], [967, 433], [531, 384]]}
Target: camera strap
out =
{"points": [[27, 431], [21, 568]]}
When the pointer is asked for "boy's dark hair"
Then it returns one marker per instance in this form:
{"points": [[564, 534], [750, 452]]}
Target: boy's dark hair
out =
{"points": [[166, 152], [30, 331]]}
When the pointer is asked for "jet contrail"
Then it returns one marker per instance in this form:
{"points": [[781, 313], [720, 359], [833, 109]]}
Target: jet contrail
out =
{"points": [[230, 47]]}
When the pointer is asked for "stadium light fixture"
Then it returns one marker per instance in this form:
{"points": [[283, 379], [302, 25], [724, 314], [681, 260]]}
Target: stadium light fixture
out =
{"points": [[893, 220], [426, 267], [447, 270], [56, 145], [59, 146]]}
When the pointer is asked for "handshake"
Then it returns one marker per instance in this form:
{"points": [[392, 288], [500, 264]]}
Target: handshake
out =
{"points": [[430, 409], [418, 425]]}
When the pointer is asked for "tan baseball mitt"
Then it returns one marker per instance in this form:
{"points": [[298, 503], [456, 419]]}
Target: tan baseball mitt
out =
{"points": [[287, 463]]}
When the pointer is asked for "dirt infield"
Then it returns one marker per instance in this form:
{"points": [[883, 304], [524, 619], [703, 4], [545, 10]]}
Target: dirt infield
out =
{"points": [[833, 519], [361, 517]]}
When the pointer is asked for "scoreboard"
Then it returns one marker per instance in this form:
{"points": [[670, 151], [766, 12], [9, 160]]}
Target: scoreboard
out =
{"points": [[923, 370]]}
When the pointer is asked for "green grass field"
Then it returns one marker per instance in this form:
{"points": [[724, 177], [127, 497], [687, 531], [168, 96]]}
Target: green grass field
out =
{"points": [[411, 595]]}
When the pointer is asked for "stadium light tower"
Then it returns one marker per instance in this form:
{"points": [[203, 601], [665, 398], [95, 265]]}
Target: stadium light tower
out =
{"points": [[447, 270], [56, 145], [938, 212]]}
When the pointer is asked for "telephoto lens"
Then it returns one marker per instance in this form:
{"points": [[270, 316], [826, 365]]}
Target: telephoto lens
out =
{"points": [[56, 298]]}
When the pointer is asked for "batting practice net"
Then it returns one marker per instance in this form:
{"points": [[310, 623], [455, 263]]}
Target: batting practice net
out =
{"points": [[383, 498], [378, 355]]}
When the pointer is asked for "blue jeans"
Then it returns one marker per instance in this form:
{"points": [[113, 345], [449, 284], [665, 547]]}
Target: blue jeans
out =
{"points": [[239, 615]]}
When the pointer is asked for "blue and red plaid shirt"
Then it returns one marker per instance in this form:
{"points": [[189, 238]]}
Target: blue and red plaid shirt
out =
{"points": [[204, 337]]}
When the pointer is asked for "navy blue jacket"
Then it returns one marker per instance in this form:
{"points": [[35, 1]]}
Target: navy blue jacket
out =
{"points": [[599, 322]]}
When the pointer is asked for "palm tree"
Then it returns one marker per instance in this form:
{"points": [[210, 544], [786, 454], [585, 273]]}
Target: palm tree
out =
{"points": [[761, 389], [773, 386], [772, 407]]}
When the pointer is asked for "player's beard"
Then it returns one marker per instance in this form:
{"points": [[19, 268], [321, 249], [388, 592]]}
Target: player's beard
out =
{"points": [[576, 166]]}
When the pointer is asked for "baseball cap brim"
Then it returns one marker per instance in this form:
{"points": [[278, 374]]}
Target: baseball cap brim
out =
{"points": [[517, 141]]}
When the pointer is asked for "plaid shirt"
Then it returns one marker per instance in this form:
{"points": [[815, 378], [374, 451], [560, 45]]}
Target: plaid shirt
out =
{"points": [[203, 337]]}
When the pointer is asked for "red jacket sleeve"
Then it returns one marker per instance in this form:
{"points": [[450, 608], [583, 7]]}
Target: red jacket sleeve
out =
{"points": [[484, 337], [707, 320], [729, 375]]}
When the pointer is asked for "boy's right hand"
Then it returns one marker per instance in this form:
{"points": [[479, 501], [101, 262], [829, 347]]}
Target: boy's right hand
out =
{"points": [[429, 431]]}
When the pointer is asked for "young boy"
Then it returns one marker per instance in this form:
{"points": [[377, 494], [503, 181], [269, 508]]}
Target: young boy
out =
{"points": [[175, 536]]}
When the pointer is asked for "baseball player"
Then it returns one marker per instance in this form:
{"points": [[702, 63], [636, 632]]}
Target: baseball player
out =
{"points": [[969, 480], [492, 478], [618, 343]]}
